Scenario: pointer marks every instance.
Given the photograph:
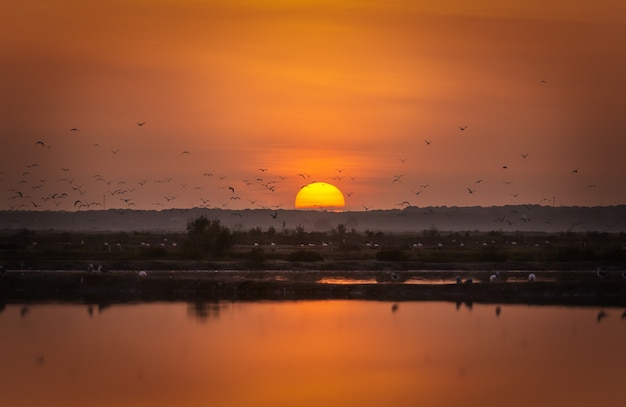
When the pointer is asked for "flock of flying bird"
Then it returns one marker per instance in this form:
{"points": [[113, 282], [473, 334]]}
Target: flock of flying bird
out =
{"points": [[63, 188], [74, 192]]}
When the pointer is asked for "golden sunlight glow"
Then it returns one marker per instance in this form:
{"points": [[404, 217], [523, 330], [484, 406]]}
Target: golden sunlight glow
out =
{"points": [[320, 195]]}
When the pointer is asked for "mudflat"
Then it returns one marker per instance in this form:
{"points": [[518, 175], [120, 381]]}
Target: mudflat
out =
{"points": [[473, 283]]}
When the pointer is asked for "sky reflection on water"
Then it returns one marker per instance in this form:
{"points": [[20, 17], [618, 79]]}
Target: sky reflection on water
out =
{"points": [[311, 353]]}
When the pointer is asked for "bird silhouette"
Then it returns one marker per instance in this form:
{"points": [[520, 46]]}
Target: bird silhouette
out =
{"points": [[462, 128], [140, 124]]}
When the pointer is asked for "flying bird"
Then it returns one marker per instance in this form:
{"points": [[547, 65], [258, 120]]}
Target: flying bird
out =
{"points": [[428, 142], [462, 127], [471, 191], [140, 124]]}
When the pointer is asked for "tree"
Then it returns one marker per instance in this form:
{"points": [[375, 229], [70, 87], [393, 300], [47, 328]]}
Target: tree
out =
{"points": [[341, 230], [207, 238]]}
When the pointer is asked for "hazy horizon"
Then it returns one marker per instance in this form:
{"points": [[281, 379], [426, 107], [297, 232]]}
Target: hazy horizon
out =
{"points": [[508, 218]]}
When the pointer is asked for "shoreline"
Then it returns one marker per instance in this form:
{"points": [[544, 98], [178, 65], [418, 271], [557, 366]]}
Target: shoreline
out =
{"points": [[551, 287]]}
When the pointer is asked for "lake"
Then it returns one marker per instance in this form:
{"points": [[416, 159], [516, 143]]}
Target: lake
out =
{"points": [[311, 353]]}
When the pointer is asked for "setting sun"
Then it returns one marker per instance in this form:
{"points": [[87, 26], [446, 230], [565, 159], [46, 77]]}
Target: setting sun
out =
{"points": [[319, 195]]}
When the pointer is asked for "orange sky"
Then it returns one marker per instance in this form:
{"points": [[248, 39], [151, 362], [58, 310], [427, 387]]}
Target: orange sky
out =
{"points": [[344, 92]]}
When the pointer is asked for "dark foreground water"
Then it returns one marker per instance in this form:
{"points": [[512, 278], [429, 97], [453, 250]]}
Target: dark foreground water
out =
{"points": [[311, 353]]}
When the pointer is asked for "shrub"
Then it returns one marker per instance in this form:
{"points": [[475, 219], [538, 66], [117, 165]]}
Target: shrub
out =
{"points": [[575, 254], [154, 252], [391, 255], [492, 254], [304, 255], [256, 257], [207, 238]]}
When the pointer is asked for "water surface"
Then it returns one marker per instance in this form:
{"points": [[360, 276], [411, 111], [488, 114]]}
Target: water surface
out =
{"points": [[311, 353]]}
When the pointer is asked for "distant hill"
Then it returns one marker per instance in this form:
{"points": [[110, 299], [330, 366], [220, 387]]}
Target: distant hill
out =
{"points": [[525, 218]]}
